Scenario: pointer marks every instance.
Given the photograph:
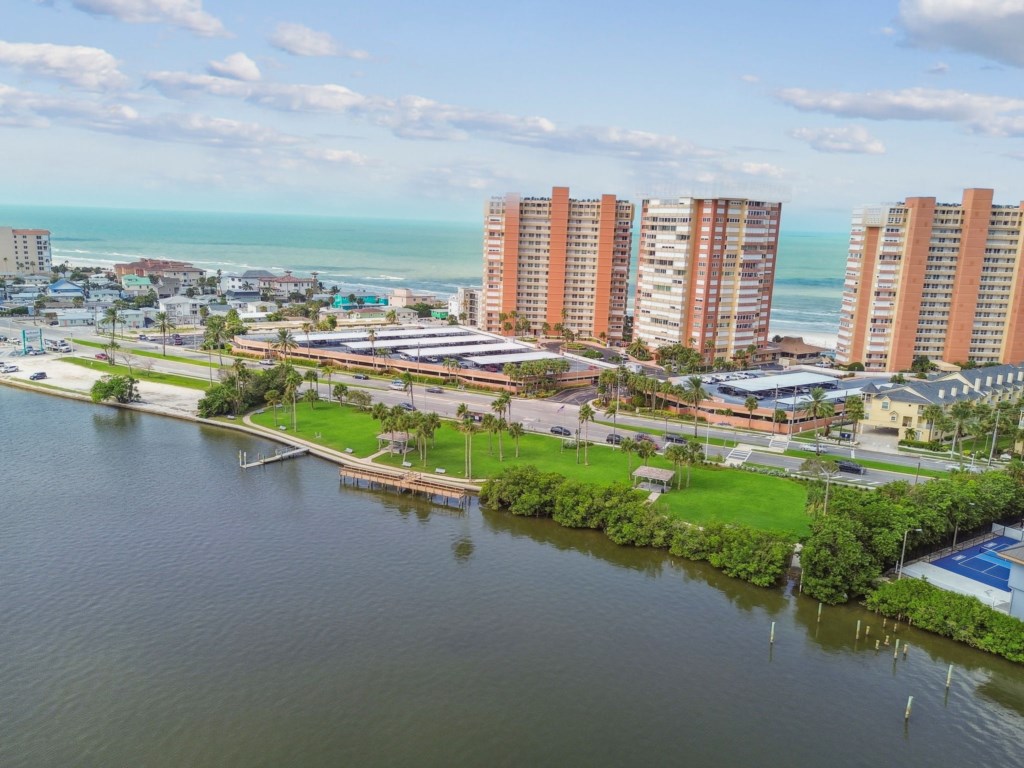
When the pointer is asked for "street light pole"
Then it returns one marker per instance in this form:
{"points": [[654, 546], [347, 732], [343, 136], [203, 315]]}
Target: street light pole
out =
{"points": [[899, 570]]}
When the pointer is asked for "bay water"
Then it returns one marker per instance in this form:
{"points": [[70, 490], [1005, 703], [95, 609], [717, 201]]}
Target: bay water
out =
{"points": [[378, 255], [162, 607]]}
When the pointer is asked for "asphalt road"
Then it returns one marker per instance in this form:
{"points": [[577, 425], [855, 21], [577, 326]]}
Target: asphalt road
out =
{"points": [[536, 415]]}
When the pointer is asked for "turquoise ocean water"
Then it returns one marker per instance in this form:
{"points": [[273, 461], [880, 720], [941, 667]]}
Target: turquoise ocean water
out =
{"points": [[380, 254]]}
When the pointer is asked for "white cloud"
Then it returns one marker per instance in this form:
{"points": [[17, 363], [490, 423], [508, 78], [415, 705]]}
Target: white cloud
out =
{"points": [[335, 156], [989, 28], [908, 104], [750, 78], [762, 169], [300, 40], [90, 68], [938, 69], [852, 139], [185, 14], [237, 66]]}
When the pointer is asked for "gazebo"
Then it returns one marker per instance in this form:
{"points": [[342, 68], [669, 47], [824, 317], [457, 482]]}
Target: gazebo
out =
{"points": [[653, 479], [394, 442]]}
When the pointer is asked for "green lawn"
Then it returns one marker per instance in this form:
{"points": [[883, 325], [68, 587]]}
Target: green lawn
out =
{"points": [[157, 378], [714, 494], [328, 424]]}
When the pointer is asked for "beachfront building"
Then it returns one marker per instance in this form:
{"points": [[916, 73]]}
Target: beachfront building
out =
{"points": [[555, 261], [903, 409], [135, 286], [706, 270], [180, 274], [24, 252], [284, 287], [936, 280], [465, 305]]}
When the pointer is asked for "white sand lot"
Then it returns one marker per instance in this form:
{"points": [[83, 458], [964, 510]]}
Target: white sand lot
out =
{"points": [[160, 398]]}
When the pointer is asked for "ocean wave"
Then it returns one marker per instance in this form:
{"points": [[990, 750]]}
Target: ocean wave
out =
{"points": [[811, 282]]}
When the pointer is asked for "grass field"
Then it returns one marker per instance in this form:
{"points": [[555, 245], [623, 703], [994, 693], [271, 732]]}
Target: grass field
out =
{"points": [[157, 378], [721, 494]]}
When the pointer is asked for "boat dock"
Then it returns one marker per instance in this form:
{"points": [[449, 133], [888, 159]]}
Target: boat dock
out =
{"points": [[404, 482], [278, 455]]}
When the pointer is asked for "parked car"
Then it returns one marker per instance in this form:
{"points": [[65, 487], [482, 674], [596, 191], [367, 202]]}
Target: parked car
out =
{"points": [[614, 439], [407, 406], [102, 356], [360, 376], [54, 322], [964, 468], [266, 361], [434, 390], [38, 375], [852, 467], [563, 431], [9, 368], [673, 438], [142, 337]]}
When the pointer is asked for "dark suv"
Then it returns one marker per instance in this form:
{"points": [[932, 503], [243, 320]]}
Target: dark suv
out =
{"points": [[852, 467], [615, 439], [671, 438], [563, 431]]}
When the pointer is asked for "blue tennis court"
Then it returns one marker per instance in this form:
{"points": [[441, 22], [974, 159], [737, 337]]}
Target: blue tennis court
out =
{"points": [[981, 563]]}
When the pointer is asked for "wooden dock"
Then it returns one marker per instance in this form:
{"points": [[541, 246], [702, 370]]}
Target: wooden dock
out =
{"points": [[262, 461], [404, 482]]}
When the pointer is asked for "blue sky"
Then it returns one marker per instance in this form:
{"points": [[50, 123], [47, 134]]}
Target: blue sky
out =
{"points": [[424, 110]]}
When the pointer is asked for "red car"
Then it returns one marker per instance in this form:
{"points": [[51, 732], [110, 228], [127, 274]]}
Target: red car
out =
{"points": [[102, 356]]}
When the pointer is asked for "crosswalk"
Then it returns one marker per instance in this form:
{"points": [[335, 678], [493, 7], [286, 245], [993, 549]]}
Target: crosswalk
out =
{"points": [[738, 455]]}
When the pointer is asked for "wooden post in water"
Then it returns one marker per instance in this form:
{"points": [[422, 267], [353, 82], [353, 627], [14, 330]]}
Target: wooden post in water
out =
{"points": [[886, 641], [239, 458], [819, 612], [771, 636], [876, 646], [910, 703], [906, 647], [857, 636], [867, 631], [949, 676], [896, 650]]}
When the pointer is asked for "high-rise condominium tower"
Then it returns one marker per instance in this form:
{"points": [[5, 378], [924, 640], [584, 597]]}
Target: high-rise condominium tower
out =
{"points": [[940, 280], [706, 273], [24, 252], [555, 260]]}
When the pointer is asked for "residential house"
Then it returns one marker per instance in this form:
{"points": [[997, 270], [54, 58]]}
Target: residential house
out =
{"points": [[901, 407]]}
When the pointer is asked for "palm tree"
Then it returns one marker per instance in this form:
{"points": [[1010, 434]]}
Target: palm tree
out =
{"points": [[311, 396], [677, 454], [311, 378], [451, 365], [273, 399], [693, 395], [960, 413], [854, 411], [750, 404], [326, 368], [933, 414], [628, 446], [284, 343], [292, 382], [371, 337], [407, 380], [163, 322], [215, 335], [339, 391], [391, 317], [817, 407], [515, 431], [586, 415], [645, 449]]}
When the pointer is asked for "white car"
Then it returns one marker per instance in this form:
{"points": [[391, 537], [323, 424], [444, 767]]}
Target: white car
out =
{"points": [[9, 369]]}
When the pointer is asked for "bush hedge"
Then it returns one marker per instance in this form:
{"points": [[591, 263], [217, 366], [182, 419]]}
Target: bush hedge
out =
{"points": [[959, 617], [627, 519]]}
